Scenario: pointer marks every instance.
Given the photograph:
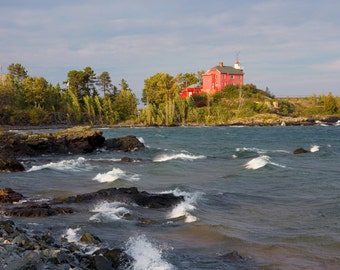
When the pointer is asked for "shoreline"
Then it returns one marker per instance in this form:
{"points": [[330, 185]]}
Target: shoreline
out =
{"points": [[257, 120]]}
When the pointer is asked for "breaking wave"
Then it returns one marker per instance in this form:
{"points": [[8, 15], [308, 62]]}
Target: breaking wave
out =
{"points": [[115, 174], [181, 156], [185, 208], [259, 162], [75, 165], [258, 150], [315, 148], [109, 211], [146, 254]]}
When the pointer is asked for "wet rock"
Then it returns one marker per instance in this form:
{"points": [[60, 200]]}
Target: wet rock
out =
{"points": [[124, 144], [37, 210], [147, 221], [31, 260], [8, 163], [8, 195], [300, 151], [88, 238], [128, 159], [126, 195], [233, 256], [116, 257], [75, 140]]}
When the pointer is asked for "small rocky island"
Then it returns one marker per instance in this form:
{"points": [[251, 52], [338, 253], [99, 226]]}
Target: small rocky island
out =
{"points": [[76, 140]]}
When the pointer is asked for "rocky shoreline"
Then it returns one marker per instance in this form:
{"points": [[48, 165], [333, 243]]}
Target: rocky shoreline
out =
{"points": [[24, 248], [75, 140]]}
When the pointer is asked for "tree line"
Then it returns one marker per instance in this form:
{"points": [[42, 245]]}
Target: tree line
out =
{"points": [[86, 98]]}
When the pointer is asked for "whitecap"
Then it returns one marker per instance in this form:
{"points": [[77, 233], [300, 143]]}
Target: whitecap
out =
{"points": [[109, 211], [182, 156], [314, 148], [115, 174], [79, 164], [71, 235], [146, 255], [185, 208], [261, 161], [258, 150]]}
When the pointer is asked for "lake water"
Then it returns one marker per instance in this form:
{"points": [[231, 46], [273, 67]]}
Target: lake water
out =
{"points": [[244, 190]]}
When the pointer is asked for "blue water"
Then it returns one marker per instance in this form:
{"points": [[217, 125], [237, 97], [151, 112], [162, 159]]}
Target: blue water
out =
{"points": [[245, 190]]}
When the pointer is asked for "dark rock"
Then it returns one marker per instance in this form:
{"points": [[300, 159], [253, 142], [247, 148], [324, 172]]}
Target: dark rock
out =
{"points": [[7, 226], [8, 163], [37, 210], [300, 151], [73, 140], [125, 195], [30, 261], [7, 195], [116, 257], [101, 263], [124, 144]]}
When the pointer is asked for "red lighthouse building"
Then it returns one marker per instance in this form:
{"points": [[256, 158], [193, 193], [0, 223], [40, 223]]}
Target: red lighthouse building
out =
{"points": [[216, 79]]}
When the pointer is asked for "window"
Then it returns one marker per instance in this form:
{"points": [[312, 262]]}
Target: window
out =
{"points": [[231, 76]]}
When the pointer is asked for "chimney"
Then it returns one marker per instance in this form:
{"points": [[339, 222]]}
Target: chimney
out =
{"points": [[220, 64]]}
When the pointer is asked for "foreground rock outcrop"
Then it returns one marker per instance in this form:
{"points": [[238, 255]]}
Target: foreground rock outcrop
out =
{"points": [[21, 248]]}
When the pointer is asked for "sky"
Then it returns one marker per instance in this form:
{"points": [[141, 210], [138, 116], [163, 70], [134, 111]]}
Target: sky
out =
{"points": [[290, 47]]}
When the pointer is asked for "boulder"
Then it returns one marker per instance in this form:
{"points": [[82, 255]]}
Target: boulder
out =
{"points": [[300, 151], [7, 195], [125, 195], [124, 144], [8, 163], [88, 238]]}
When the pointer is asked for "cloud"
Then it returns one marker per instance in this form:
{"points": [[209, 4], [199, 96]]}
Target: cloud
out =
{"points": [[281, 44]]}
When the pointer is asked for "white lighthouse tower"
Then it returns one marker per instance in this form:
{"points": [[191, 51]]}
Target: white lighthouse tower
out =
{"points": [[237, 64]]}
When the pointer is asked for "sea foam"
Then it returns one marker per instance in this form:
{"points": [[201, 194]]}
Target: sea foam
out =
{"points": [[145, 254], [73, 236], [79, 164], [181, 156], [315, 148], [115, 174], [109, 211]]}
